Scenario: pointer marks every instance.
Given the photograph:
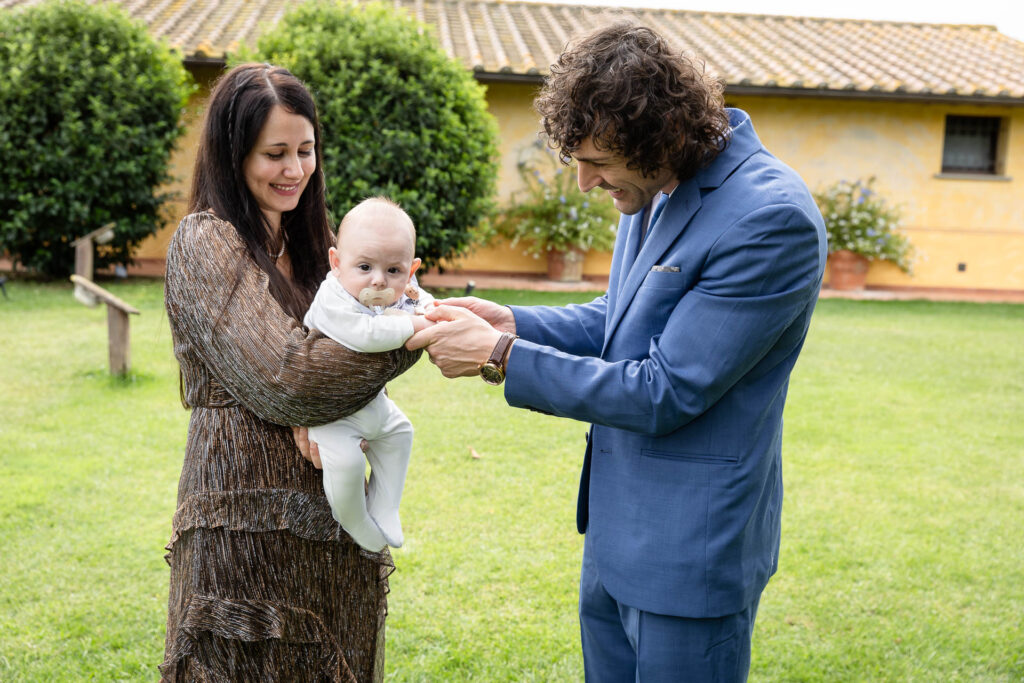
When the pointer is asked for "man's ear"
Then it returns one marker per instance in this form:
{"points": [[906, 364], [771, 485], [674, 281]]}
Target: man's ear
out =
{"points": [[415, 266], [335, 260]]}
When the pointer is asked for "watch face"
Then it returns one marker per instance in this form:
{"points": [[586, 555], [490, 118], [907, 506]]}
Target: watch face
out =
{"points": [[491, 373]]}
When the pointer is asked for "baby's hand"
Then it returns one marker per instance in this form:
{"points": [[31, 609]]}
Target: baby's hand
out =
{"points": [[419, 322], [423, 309]]}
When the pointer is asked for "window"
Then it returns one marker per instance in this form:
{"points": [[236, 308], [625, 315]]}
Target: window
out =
{"points": [[973, 145]]}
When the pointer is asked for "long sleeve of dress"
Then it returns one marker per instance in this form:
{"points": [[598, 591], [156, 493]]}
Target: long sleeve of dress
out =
{"points": [[226, 318]]}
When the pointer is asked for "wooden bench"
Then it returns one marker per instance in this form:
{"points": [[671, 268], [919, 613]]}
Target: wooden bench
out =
{"points": [[84, 245], [117, 322]]}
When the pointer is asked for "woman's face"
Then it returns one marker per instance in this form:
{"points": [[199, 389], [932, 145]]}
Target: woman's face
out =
{"points": [[279, 165]]}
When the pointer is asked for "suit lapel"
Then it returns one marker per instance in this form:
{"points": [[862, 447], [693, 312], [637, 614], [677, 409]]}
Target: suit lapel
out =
{"points": [[681, 207], [629, 267], [618, 270], [629, 253]]}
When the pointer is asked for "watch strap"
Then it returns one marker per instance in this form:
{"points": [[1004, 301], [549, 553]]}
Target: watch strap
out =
{"points": [[500, 352]]}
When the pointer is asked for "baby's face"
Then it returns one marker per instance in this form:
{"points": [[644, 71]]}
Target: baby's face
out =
{"points": [[374, 259]]}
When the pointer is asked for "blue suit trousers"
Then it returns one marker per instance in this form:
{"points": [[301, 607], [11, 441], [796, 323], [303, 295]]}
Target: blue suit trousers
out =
{"points": [[623, 644]]}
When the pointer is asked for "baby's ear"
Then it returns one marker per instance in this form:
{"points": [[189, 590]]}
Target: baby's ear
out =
{"points": [[415, 266], [335, 260]]}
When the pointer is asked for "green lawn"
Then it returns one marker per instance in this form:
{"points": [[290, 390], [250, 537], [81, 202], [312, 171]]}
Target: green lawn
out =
{"points": [[903, 550]]}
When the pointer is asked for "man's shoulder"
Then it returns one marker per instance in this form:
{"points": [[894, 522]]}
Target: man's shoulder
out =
{"points": [[760, 178], [761, 189]]}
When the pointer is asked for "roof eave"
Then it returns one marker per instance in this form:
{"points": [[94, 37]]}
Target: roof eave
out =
{"points": [[940, 98], [200, 59], [507, 77]]}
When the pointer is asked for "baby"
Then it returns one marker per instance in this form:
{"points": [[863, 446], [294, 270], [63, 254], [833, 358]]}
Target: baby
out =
{"points": [[368, 303]]}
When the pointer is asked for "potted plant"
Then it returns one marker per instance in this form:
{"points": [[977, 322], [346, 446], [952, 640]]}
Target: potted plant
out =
{"points": [[861, 227], [550, 216]]}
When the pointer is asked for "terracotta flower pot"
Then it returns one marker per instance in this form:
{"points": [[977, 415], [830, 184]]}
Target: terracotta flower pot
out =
{"points": [[565, 266], [847, 270]]}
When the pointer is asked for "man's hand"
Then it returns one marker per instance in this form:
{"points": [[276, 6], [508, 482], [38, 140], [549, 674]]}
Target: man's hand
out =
{"points": [[460, 343], [500, 317], [310, 451]]}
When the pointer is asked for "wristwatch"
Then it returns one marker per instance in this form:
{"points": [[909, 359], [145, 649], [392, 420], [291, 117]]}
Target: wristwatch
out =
{"points": [[493, 371]]}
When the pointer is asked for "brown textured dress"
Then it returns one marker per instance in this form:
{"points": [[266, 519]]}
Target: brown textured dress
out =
{"points": [[265, 586]]}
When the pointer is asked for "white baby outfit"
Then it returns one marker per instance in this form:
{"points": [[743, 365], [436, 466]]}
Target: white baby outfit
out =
{"points": [[371, 519]]}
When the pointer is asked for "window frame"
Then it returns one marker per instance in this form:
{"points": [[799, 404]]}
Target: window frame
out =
{"points": [[996, 154]]}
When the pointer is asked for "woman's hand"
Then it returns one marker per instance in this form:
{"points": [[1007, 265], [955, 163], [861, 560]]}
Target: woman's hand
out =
{"points": [[310, 451]]}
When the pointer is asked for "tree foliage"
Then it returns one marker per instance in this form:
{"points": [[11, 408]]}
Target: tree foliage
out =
{"points": [[90, 108], [399, 117]]}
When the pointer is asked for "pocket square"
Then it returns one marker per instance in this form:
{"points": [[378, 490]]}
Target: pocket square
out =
{"points": [[664, 269]]}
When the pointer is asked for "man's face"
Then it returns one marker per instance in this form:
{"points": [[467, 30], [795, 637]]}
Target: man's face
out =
{"points": [[629, 189]]}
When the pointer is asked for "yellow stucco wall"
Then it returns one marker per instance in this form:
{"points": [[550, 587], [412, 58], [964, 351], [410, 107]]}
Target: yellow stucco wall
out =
{"points": [[518, 126], [154, 248], [511, 105], [951, 221], [978, 223]]}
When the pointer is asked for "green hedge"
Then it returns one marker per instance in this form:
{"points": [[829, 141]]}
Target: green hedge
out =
{"points": [[399, 117], [90, 109]]}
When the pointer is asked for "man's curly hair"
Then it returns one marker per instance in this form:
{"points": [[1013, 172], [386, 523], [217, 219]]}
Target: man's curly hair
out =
{"points": [[626, 89]]}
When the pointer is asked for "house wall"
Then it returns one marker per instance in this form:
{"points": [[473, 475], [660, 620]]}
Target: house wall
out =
{"points": [[519, 125], [151, 253], [951, 221]]}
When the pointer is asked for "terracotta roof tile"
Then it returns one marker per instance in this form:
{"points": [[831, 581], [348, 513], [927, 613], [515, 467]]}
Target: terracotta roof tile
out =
{"points": [[502, 39]]}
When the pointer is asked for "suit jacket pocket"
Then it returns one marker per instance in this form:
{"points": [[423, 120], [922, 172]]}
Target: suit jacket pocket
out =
{"points": [[654, 302], [704, 458], [664, 280]]}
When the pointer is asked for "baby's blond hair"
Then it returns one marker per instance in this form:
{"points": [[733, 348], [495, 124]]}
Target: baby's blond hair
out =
{"points": [[379, 202]]}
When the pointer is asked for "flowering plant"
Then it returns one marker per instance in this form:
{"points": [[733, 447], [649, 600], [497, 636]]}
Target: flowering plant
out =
{"points": [[858, 219], [550, 213]]}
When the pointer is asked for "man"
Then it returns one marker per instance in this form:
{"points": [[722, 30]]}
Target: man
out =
{"points": [[681, 368]]}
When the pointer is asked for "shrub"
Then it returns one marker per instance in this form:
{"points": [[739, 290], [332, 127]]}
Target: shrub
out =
{"points": [[399, 117], [90, 112], [860, 220], [550, 213]]}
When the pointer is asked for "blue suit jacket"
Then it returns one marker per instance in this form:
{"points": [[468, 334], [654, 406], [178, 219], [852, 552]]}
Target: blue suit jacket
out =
{"points": [[683, 375]]}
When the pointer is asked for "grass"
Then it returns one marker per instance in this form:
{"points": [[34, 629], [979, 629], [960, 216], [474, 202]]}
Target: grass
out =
{"points": [[902, 556]]}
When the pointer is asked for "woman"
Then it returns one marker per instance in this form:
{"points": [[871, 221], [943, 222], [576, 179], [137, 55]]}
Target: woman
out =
{"points": [[264, 583]]}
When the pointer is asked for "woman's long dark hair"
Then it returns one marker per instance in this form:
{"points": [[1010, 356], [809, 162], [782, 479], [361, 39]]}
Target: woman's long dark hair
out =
{"points": [[238, 108]]}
